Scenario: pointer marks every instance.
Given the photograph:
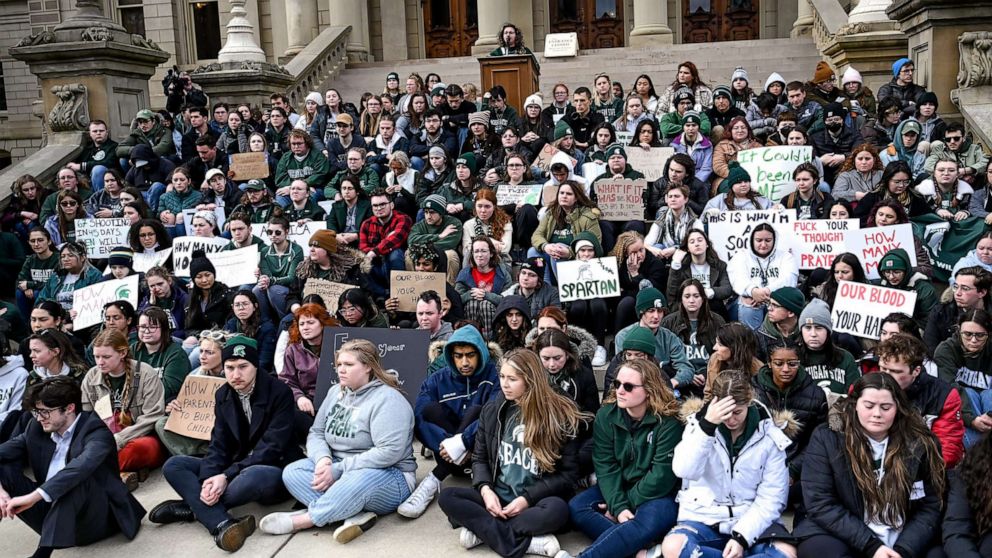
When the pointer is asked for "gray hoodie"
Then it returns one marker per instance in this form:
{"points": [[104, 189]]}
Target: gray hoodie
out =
{"points": [[369, 428], [13, 379]]}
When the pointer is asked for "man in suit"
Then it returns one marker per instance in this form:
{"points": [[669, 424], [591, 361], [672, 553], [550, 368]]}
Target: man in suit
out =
{"points": [[78, 497], [251, 442]]}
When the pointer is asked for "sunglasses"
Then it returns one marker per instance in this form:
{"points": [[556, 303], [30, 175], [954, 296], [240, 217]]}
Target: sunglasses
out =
{"points": [[627, 386], [68, 204], [273, 232]]}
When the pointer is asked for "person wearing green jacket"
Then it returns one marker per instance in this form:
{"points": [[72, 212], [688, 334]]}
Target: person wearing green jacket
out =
{"points": [[277, 265], [156, 348], [670, 125], [896, 271], [634, 436], [147, 129], [571, 213], [348, 213], [37, 268], [172, 203], [303, 162], [67, 179], [830, 367], [440, 229], [75, 272], [367, 177]]}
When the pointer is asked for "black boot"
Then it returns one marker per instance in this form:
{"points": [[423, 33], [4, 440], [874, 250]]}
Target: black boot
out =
{"points": [[231, 534], [171, 511]]}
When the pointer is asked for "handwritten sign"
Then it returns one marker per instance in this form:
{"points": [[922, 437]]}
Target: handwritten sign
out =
{"points": [[218, 215], [246, 166], [88, 301], [196, 399], [236, 267], [408, 285], [403, 351], [818, 242], [730, 231], [512, 194], [649, 162], [621, 200], [543, 159], [184, 246], [298, 234], [584, 280], [328, 290], [143, 262], [101, 236], [771, 168], [859, 308], [870, 245], [624, 137], [558, 45]]}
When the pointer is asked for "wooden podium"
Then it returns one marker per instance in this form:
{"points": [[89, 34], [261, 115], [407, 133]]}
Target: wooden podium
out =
{"points": [[518, 74]]}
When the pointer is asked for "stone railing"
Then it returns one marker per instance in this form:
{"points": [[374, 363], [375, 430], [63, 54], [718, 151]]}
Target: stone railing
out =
{"points": [[829, 18], [320, 61]]}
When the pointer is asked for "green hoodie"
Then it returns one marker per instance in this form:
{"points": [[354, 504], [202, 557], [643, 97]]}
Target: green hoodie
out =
{"points": [[634, 460], [36, 271], [368, 182], [171, 364], [422, 233], [313, 169], [926, 295], [280, 268]]}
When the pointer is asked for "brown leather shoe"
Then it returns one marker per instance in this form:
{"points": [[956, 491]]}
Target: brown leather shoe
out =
{"points": [[232, 534], [130, 480]]}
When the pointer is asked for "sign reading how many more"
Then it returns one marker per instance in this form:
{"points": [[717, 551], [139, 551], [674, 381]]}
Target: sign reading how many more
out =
{"points": [[870, 245], [860, 307], [88, 301], [236, 267], [730, 231], [621, 200], [195, 417], [408, 285], [184, 246], [101, 236], [649, 162], [584, 280], [771, 168], [819, 241]]}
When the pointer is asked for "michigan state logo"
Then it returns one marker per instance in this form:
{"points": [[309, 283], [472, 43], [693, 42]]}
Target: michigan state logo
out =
{"points": [[123, 292], [239, 351]]}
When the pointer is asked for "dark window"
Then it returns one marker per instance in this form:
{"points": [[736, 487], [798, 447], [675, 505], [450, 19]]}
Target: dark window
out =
{"points": [[440, 14], [206, 24], [3, 91], [132, 16]]}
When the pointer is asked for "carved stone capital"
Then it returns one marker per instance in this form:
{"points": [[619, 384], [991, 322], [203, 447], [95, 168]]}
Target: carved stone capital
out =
{"points": [[96, 34], [71, 112], [975, 59]]}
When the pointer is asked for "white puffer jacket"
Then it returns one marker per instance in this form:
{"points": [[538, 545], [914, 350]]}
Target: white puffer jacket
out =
{"points": [[745, 496]]}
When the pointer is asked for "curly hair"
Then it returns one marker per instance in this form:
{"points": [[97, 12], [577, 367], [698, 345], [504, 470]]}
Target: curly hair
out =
{"points": [[624, 242], [975, 471], [309, 310], [859, 149]]}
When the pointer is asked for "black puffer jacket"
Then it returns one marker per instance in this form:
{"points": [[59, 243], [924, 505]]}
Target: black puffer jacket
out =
{"points": [[959, 528], [835, 505], [653, 269], [719, 280], [806, 401], [485, 457], [216, 313]]}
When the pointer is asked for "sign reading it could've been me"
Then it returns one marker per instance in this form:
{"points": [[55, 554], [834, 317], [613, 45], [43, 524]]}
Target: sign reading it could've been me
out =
{"points": [[195, 417], [621, 200], [771, 168], [584, 280]]}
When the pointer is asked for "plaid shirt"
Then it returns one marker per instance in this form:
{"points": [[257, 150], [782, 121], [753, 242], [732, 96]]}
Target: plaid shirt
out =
{"points": [[384, 238]]}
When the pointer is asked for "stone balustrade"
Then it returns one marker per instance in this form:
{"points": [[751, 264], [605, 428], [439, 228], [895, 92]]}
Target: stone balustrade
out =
{"points": [[319, 62]]}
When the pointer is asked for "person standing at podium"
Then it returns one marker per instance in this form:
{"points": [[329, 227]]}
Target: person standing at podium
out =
{"points": [[511, 41]]}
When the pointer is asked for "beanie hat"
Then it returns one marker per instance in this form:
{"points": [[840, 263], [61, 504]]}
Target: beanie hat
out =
{"points": [[736, 174], [582, 243], [435, 202], [851, 76], [912, 125], [683, 94], [790, 298], [739, 73], [208, 216], [468, 159], [690, 116], [896, 259], [639, 339], [438, 90], [122, 255], [898, 64], [615, 149], [562, 129], [392, 75], [834, 109], [533, 265], [326, 239], [480, 117], [534, 99], [145, 114], [816, 313], [200, 264], [241, 347], [928, 98], [344, 118], [315, 97], [722, 91], [649, 298], [584, 237], [437, 151], [822, 73]]}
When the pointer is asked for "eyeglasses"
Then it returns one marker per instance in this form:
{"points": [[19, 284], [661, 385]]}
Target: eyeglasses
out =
{"points": [[273, 232], [242, 305], [148, 327], [379, 205], [627, 386], [901, 182], [975, 335], [514, 166], [349, 309], [962, 288], [45, 413], [786, 363]]}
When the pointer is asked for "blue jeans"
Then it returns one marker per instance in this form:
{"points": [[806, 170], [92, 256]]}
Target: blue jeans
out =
{"points": [[152, 194], [751, 317], [177, 230], [394, 260], [418, 163], [705, 542], [379, 491], [272, 299], [981, 402], [651, 522], [550, 265], [96, 177], [258, 483], [24, 304]]}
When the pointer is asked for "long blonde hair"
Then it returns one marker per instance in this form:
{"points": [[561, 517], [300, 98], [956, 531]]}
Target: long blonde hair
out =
{"points": [[661, 401], [367, 354], [549, 418]]}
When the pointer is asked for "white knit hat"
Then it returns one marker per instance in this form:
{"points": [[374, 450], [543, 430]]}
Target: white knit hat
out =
{"points": [[851, 76], [534, 99], [739, 73], [316, 97]]}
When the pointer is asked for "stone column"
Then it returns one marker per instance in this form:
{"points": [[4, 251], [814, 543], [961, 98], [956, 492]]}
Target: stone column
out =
{"points": [[301, 21], [651, 24], [240, 45], [804, 21], [869, 11], [355, 14], [492, 15]]}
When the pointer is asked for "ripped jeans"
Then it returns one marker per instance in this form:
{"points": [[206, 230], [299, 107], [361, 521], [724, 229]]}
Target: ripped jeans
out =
{"points": [[704, 541]]}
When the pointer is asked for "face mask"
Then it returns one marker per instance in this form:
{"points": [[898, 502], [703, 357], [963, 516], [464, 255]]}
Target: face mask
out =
{"points": [[835, 126]]}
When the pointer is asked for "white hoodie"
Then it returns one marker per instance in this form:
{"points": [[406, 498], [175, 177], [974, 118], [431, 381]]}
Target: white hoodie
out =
{"points": [[13, 380], [746, 269]]}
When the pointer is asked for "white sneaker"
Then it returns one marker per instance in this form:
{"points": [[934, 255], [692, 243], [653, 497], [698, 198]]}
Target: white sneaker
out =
{"points": [[544, 545], [654, 552], [279, 523], [563, 554], [468, 539], [354, 526], [599, 359], [422, 496]]}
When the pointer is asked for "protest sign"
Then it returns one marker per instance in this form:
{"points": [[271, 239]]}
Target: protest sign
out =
{"points": [[870, 245], [649, 162], [543, 159], [143, 262], [859, 308], [512, 194], [88, 301], [298, 234], [592, 171], [730, 231], [402, 350], [184, 246], [195, 419], [236, 267], [218, 214], [326, 205], [771, 168], [819, 241], [102, 235], [407, 286], [246, 166], [624, 137], [328, 290], [584, 280], [620, 200]]}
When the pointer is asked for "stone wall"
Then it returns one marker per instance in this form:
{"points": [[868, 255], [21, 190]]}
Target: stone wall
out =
{"points": [[20, 130]]}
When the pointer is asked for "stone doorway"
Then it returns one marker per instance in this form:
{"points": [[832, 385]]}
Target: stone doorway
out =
{"points": [[598, 23], [450, 27], [708, 21]]}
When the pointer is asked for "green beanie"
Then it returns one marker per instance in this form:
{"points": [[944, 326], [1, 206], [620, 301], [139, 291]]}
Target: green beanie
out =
{"points": [[639, 339], [615, 149], [790, 298], [736, 174], [896, 259], [239, 347], [649, 298], [562, 129], [468, 159]]}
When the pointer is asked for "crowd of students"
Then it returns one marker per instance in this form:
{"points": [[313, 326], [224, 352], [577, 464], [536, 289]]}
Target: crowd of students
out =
{"points": [[728, 400]]}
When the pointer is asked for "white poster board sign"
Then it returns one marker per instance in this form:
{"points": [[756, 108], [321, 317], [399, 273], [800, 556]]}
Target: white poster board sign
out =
{"points": [[88, 301], [143, 262], [218, 213], [236, 267], [870, 245], [730, 231], [771, 168], [649, 162], [184, 246], [819, 241], [101, 236], [859, 308], [584, 280]]}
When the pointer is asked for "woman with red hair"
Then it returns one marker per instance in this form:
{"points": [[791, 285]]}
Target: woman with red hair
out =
{"points": [[491, 221], [302, 360], [686, 76], [736, 138]]}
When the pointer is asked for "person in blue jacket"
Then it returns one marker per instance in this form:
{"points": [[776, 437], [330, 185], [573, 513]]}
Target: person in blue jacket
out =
{"points": [[447, 412]]}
